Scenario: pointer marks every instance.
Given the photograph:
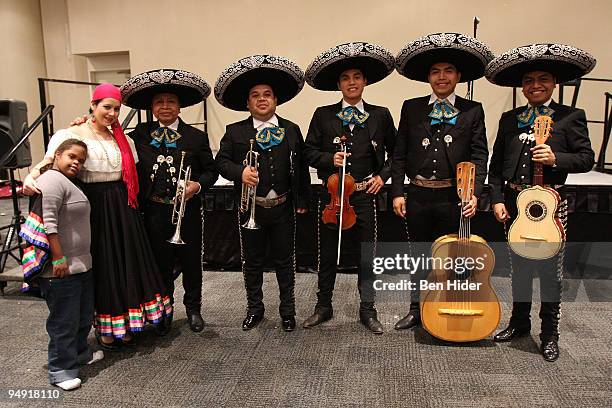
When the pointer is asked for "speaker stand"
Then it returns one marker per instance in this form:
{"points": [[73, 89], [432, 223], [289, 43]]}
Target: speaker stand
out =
{"points": [[12, 232]]}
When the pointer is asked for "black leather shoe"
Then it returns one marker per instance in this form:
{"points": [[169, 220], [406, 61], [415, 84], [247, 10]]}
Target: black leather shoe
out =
{"points": [[196, 323], [288, 323], [251, 321], [510, 333], [410, 320], [114, 345], [372, 324], [163, 327], [316, 319], [131, 342], [550, 350]]}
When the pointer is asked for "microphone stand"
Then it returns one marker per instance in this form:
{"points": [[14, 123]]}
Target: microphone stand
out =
{"points": [[470, 85]]}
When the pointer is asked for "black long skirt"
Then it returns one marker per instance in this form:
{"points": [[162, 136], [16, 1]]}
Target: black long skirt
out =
{"points": [[129, 288]]}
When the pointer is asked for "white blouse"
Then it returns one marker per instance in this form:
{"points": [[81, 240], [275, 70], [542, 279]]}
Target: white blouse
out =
{"points": [[103, 161]]}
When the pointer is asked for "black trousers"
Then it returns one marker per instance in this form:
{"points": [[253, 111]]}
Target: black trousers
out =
{"points": [[159, 228], [523, 272], [430, 213], [276, 233], [363, 204]]}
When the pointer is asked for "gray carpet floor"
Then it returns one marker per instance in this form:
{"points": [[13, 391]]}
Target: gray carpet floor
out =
{"points": [[338, 364]]}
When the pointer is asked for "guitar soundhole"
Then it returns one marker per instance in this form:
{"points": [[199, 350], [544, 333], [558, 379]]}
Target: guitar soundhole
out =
{"points": [[535, 211]]}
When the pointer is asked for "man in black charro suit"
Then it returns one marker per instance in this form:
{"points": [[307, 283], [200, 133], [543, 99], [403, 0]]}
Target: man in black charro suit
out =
{"points": [[568, 150], [258, 84], [160, 145], [370, 136], [437, 132]]}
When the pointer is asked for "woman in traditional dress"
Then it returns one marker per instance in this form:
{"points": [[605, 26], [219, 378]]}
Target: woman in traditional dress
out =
{"points": [[128, 286]]}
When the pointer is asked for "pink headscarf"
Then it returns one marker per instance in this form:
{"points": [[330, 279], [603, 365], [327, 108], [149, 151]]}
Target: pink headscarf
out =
{"points": [[128, 165]]}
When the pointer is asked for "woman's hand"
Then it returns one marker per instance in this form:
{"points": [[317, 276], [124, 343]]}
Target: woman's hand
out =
{"points": [[78, 121], [30, 186]]}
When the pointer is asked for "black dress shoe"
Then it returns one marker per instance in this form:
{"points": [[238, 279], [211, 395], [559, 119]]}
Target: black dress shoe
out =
{"points": [[410, 320], [196, 323], [372, 324], [131, 342], [114, 345], [163, 327], [316, 319], [550, 350], [288, 323], [510, 333], [251, 321]]}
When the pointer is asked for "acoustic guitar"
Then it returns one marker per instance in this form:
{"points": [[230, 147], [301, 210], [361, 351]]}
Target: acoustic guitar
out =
{"points": [[460, 304], [537, 233]]}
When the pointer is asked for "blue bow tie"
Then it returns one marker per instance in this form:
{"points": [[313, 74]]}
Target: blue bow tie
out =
{"points": [[443, 112], [352, 115], [270, 136], [166, 136], [527, 117]]}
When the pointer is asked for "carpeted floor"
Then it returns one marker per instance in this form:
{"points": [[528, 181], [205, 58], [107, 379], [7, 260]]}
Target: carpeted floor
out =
{"points": [[336, 364]]}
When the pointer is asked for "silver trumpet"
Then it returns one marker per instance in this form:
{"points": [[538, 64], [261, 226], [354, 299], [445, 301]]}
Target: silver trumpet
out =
{"points": [[247, 198], [178, 211]]}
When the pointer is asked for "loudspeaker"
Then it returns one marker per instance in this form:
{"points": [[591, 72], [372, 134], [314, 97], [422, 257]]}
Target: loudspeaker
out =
{"points": [[14, 122]]}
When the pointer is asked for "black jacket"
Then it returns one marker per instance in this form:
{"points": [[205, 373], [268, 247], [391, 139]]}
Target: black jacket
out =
{"points": [[469, 140], [325, 127], [235, 145], [198, 154], [569, 141]]}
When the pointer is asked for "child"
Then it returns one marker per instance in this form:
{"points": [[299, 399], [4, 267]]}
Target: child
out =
{"points": [[66, 282]]}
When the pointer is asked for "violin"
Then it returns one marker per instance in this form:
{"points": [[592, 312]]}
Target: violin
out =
{"points": [[340, 187], [339, 211]]}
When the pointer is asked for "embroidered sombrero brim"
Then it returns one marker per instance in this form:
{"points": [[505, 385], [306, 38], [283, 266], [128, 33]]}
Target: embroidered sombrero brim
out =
{"points": [[284, 76], [138, 91], [374, 61], [467, 54], [564, 62]]}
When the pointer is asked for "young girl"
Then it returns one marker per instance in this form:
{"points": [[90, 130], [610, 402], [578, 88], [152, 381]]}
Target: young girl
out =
{"points": [[66, 282], [129, 289]]}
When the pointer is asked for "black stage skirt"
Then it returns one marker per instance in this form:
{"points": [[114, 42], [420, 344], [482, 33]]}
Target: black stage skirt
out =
{"points": [[129, 287]]}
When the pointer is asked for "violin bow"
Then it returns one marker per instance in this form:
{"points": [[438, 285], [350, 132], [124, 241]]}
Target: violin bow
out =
{"points": [[341, 196]]}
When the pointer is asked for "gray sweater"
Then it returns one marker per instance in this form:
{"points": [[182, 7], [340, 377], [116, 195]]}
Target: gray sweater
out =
{"points": [[66, 212]]}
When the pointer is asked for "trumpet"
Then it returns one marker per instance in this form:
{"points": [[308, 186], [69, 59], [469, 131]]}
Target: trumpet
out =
{"points": [[178, 211], [247, 198]]}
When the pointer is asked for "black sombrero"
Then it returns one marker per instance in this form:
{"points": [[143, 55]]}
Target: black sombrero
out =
{"points": [[283, 75], [564, 62], [374, 61], [138, 91], [467, 54]]}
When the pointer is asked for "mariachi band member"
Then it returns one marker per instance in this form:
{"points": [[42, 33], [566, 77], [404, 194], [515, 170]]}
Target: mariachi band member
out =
{"points": [[163, 146], [436, 132], [537, 69], [369, 133], [262, 155]]}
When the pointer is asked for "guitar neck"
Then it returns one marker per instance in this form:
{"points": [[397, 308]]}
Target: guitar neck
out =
{"points": [[542, 127], [464, 224], [538, 174]]}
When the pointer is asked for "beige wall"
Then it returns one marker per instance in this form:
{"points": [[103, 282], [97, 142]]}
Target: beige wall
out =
{"points": [[206, 36], [23, 58]]}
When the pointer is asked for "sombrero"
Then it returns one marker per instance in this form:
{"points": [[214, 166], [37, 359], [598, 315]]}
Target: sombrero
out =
{"points": [[138, 91], [467, 54], [284, 76], [564, 62], [374, 61]]}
